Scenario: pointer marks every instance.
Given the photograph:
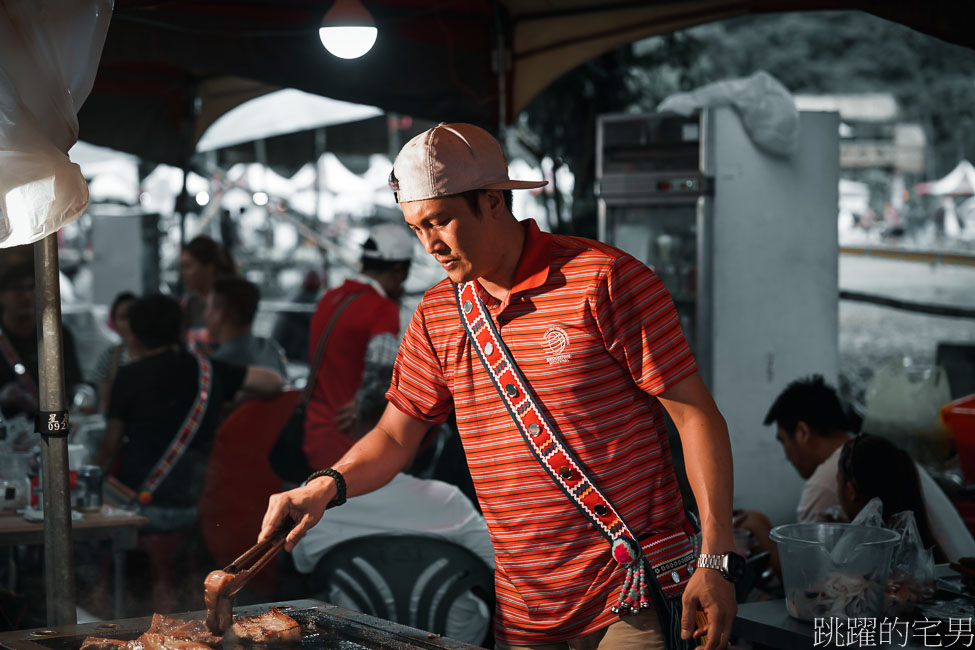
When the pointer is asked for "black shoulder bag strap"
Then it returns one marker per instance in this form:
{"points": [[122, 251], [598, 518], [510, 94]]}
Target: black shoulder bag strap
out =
{"points": [[320, 348]]}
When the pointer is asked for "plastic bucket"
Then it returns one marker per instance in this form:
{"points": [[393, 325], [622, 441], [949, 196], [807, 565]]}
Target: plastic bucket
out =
{"points": [[834, 570]]}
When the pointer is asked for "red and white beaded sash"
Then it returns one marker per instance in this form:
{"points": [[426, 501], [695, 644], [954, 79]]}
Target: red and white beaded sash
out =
{"points": [[670, 554], [18, 367], [184, 436]]}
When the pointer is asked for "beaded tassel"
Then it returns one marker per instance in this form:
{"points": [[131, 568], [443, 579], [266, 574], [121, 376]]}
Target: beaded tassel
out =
{"points": [[633, 595]]}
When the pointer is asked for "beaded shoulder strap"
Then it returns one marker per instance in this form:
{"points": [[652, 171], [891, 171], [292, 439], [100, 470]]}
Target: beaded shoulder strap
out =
{"points": [[547, 446], [184, 436]]}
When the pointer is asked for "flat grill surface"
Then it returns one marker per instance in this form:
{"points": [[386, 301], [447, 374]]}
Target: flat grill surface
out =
{"points": [[324, 627]]}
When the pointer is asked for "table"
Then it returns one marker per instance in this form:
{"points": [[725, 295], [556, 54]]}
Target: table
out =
{"points": [[767, 622], [120, 530]]}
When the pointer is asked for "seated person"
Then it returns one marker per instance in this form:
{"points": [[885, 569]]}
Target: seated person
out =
{"points": [[201, 262], [874, 467], [809, 408], [153, 400], [405, 505], [812, 428], [408, 505], [18, 344], [229, 315]]}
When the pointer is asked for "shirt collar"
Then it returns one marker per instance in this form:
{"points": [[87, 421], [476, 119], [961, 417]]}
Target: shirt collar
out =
{"points": [[536, 254], [533, 265], [365, 279]]}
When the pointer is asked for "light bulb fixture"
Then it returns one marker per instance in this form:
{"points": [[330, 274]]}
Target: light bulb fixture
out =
{"points": [[348, 30]]}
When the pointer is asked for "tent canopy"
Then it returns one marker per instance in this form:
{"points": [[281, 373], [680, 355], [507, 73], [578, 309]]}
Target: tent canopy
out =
{"points": [[169, 69], [960, 181], [277, 113]]}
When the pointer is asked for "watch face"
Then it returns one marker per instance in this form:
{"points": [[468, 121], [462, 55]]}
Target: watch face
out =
{"points": [[735, 565]]}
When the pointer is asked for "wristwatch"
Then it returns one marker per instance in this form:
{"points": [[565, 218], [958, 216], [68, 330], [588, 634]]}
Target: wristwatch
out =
{"points": [[730, 565]]}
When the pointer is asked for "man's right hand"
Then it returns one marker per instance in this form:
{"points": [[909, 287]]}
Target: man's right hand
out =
{"points": [[304, 504]]}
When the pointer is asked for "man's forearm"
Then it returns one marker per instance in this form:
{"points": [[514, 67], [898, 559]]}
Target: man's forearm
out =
{"points": [[261, 382], [375, 459], [707, 458], [370, 464]]}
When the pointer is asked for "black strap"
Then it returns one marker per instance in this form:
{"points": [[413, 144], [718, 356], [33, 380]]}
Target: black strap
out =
{"points": [[320, 349]]}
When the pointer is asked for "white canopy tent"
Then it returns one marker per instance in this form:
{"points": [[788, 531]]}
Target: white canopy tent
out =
{"points": [[278, 113], [960, 181]]}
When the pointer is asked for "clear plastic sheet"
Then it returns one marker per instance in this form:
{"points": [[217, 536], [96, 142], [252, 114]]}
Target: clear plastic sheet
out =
{"points": [[766, 108], [49, 53], [906, 411]]}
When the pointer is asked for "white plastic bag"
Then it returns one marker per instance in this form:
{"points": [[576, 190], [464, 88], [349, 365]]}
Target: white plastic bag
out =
{"points": [[49, 52], [907, 412], [911, 577], [765, 106]]}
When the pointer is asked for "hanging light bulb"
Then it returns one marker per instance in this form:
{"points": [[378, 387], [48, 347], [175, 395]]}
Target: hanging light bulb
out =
{"points": [[348, 30]]}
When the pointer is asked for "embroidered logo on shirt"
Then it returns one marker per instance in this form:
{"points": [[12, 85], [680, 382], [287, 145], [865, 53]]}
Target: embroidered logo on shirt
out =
{"points": [[556, 340]]}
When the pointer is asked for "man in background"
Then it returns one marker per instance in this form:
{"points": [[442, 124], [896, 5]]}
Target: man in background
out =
{"points": [[812, 426], [229, 316], [362, 341], [18, 344]]}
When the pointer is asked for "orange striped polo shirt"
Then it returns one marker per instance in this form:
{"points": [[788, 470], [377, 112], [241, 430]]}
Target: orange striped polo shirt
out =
{"points": [[596, 334]]}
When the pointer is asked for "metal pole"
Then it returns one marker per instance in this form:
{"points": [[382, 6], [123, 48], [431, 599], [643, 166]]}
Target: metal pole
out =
{"points": [[53, 425], [320, 145]]}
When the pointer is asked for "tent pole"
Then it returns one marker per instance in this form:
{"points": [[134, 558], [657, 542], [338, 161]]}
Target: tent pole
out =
{"points": [[53, 425], [320, 146]]}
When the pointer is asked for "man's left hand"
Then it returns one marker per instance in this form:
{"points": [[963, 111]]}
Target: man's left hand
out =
{"points": [[707, 590]]}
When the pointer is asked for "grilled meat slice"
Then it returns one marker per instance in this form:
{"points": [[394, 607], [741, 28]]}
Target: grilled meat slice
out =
{"points": [[271, 627], [219, 604], [156, 641], [177, 628], [99, 643], [148, 641]]}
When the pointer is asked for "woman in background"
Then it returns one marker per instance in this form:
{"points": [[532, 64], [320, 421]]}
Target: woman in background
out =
{"points": [[200, 263], [118, 355], [870, 467]]}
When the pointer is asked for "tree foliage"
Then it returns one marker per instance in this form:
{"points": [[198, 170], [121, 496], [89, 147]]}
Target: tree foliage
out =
{"points": [[809, 52]]}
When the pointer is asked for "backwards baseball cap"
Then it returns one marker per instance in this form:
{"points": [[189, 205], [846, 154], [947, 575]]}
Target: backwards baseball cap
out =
{"points": [[451, 159], [388, 242]]}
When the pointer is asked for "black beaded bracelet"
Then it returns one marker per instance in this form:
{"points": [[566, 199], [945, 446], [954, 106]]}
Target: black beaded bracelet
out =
{"points": [[339, 485]]}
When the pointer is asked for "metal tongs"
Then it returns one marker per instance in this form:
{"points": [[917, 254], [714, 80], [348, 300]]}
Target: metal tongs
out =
{"points": [[255, 558]]}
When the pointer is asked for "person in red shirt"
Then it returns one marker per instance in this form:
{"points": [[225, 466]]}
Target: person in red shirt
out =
{"points": [[362, 341], [597, 339]]}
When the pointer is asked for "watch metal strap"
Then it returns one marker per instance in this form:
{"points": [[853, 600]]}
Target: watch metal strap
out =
{"points": [[708, 561]]}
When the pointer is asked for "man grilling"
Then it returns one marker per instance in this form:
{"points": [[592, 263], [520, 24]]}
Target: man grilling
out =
{"points": [[558, 355]]}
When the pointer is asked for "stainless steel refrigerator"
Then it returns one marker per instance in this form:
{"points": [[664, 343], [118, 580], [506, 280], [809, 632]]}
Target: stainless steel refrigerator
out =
{"points": [[746, 243]]}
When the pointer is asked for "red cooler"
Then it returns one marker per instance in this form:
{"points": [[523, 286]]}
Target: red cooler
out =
{"points": [[959, 416]]}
